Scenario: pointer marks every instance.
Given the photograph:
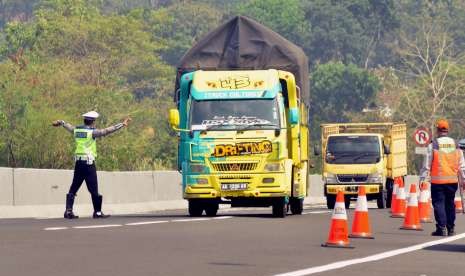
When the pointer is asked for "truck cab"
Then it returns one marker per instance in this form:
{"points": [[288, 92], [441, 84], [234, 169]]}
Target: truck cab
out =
{"points": [[243, 140], [371, 155]]}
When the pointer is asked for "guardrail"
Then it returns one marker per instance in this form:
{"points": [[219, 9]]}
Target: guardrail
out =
{"points": [[41, 192]]}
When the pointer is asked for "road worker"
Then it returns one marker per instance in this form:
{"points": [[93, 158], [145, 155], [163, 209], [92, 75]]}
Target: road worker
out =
{"points": [[444, 164], [85, 154]]}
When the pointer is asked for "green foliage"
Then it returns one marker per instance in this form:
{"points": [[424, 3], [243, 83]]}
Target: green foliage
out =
{"points": [[60, 58], [332, 82], [284, 17]]}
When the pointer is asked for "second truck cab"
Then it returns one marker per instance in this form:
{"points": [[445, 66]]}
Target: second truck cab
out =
{"points": [[371, 155]]}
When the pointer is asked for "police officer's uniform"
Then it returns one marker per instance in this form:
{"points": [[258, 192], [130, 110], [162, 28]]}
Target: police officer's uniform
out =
{"points": [[85, 154]]}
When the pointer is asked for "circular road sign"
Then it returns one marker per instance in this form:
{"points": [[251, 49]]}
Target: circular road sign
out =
{"points": [[422, 136]]}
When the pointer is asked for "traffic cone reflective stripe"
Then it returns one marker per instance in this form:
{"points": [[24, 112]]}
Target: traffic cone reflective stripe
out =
{"points": [[399, 207], [338, 232], [361, 225], [424, 205], [394, 193], [412, 218], [458, 205]]}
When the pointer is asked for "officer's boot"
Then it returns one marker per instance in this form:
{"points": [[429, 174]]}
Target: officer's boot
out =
{"points": [[97, 202], [440, 231], [69, 207], [450, 230]]}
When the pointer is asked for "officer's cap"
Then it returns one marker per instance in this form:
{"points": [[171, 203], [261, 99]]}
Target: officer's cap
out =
{"points": [[92, 115]]}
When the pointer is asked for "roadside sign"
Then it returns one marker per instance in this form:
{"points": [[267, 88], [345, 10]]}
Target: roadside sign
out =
{"points": [[422, 137]]}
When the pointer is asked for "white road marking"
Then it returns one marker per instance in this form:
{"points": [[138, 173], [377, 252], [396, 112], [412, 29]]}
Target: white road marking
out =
{"points": [[97, 226], [316, 212], [55, 228], [195, 219], [146, 222], [223, 217], [372, 258]]}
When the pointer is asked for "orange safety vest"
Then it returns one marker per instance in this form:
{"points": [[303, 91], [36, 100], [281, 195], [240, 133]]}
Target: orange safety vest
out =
{"points": [[445, 164]]}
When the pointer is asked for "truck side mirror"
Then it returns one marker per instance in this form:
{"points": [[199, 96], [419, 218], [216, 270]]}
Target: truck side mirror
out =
{"points": [[293, 115], [387, 150], [174, 118], [316, 150]]}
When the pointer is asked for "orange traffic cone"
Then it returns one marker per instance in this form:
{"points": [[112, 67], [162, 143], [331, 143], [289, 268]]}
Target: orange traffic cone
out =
{"points": [[338, 232], [412, 219], [395, 188], [458, 204], [424, 205], [361, 225], [399, 208]]}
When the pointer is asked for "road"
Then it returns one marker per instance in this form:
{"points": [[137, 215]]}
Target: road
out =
{"points": [[237, 242]]}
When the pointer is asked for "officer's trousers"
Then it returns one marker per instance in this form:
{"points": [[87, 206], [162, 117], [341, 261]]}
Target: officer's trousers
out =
{"points": [[443, 196], [83, 171]]}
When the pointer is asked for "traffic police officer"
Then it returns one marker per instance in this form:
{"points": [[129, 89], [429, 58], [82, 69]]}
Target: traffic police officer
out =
{"points": [[85, 155], [444, 163]]}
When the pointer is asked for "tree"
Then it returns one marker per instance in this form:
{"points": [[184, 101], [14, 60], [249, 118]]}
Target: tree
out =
{"points": [[284, 17]]}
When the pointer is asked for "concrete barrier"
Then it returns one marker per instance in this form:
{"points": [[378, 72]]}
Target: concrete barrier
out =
{"points": [[6, 186], [41, 193]]}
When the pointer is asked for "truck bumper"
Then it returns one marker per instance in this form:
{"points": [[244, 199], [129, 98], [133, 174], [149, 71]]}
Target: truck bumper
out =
{"points": [[252, 185], [351, 189]]}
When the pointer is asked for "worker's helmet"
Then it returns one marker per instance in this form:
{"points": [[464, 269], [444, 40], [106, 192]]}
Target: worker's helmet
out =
{"points": [[91, 115], [442, 125]]}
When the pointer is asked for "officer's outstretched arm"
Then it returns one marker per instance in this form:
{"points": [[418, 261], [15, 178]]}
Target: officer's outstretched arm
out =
{"points": [[109, 130], [69, 127]]}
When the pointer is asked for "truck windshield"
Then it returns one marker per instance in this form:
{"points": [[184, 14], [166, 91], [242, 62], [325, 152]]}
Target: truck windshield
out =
{"points": [[234, 114], [353, 150]]}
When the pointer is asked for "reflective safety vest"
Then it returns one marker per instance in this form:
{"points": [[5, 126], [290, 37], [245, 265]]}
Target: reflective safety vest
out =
{"points": [[86, 146], [445, 163]]}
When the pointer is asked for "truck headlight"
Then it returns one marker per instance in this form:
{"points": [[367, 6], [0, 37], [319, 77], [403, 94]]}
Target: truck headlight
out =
{"points": [[375, 178], [330, 178], [197, 168], [273, 167]]}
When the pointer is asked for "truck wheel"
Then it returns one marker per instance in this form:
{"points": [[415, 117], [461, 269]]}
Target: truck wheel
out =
{"points": [[347, 202], [297, 206], [279, 208], [381, 200], [211, 209], [389, 188], [330, 201], [195, 208]]}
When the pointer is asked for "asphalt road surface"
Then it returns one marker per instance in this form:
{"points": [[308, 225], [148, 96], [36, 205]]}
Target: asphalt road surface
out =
{"points": [[237, 242]]}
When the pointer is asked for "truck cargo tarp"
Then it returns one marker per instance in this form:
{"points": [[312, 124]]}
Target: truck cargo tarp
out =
{"points": [[243, 43]]}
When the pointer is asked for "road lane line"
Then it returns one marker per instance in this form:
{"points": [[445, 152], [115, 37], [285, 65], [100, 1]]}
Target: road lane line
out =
{"points": [[223, 217], [97, 226], [55, 228], [146, 222], [195, 219], [316, 212], [372, 258]]}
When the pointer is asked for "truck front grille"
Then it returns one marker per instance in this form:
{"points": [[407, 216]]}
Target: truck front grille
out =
{"points": [[232, 167], [352, 178]]}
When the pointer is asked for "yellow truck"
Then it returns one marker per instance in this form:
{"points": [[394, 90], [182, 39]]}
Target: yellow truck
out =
{"points": [[242, 118], [368, 154]]}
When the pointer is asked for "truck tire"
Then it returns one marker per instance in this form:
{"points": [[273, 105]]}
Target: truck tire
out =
{"points": [[330, 201], [279, 208], [347, 202], [381, 199], [389, 188], [211, 208], [195, 208], [297, 206]]}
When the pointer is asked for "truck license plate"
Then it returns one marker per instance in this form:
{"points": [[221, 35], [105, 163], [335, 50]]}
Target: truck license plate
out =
{"points": [[234, 186]]}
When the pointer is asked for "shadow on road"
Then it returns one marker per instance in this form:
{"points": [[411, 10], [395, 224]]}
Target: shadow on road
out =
{"points": [[459, 248]]}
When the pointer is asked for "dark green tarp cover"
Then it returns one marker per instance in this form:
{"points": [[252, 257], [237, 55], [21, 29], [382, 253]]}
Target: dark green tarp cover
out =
{"points": [[243, 43]]}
